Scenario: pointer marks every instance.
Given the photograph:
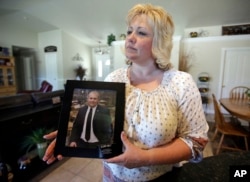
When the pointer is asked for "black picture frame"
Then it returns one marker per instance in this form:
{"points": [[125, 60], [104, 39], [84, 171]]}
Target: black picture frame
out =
{"points": [[112, 94]]}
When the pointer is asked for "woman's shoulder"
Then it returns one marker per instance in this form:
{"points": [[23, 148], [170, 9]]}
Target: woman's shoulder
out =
{"points": [[174, 75], [119, 75]]}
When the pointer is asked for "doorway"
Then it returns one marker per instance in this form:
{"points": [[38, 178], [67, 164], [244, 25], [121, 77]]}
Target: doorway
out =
{"points": [[235, 69], [103, 66], [25, 59], [51, 69]]}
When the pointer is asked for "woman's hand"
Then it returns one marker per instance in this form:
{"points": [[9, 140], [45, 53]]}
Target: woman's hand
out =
{"points": [[49, 154], [132, 157], [73, 144]]}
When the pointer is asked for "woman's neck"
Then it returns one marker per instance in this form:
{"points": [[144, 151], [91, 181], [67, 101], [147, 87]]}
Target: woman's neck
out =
{"points": [[143, 70], [146, 77]]}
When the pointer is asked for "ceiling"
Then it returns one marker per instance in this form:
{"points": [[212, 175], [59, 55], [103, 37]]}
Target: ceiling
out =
{"points": [[92, 21]]}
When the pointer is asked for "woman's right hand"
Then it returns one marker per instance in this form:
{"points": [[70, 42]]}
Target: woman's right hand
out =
{"points": [[73, 144], [49, 154]]}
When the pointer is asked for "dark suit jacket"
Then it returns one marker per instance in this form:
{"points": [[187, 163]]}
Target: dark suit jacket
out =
{"points": [[102, 125]]}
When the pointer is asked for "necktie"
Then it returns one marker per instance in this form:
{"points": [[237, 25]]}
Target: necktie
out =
{"points": [[87, 131]]}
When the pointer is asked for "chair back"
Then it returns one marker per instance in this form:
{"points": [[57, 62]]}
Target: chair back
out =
{"points": [[238, 93], [46, 87], [218, 117]]}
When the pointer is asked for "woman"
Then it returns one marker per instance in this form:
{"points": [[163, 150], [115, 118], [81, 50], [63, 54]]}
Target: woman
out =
{"points": [[164, 120]]}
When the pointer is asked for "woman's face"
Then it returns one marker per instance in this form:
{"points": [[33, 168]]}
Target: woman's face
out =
{"points": [[138, 45]]}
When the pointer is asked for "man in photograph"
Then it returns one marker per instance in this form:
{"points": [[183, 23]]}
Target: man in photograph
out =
{"points": [[93, 125]]}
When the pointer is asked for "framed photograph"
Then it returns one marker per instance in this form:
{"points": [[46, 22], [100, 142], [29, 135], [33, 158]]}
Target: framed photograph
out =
{"points": [[91, 119]]}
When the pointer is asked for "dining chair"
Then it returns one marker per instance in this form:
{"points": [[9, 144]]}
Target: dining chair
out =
{"points": [[227, 129], [238, 93], [45, 87]]}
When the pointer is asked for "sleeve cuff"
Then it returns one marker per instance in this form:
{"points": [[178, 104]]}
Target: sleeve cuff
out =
{"points": [[196, 148]]}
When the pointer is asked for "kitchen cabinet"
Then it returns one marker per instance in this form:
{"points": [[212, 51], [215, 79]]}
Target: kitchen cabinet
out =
{"points": [[7, 76]]}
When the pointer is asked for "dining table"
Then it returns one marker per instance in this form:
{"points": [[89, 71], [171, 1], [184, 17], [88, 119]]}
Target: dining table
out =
{"points": [[236, 107]]}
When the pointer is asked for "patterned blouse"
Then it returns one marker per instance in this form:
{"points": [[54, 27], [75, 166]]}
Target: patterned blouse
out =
{"points": [[154, 118]]}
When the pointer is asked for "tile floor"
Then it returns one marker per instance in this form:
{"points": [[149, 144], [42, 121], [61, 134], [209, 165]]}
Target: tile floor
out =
{"points": [[90, 170]]}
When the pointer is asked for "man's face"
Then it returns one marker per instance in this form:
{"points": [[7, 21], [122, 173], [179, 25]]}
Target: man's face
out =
{"points": [[93, 99]]}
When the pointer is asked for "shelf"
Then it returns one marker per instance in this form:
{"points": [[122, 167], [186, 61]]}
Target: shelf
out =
{"points": [[6, 61], [2, 66], [204, 99], [218, 38], [203, 86]]}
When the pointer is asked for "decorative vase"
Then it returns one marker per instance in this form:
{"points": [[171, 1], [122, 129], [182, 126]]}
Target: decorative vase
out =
{"points": [[193, 34], [41, 148]]}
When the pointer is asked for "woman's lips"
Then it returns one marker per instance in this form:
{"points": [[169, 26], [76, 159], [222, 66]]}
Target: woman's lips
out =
{"points": [[130, 48]]}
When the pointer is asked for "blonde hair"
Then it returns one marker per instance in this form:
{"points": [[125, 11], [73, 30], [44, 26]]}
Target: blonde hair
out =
{"points": [[163, 28]]}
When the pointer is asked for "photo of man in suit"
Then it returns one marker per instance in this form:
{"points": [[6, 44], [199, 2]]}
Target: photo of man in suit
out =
{"points": [[93, 125]]}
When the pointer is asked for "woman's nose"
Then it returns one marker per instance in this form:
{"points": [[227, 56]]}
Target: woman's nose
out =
{"points": [[131, 37]]}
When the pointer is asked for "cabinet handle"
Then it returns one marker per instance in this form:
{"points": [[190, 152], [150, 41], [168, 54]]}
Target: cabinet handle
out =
{"points": [[27, 122]]}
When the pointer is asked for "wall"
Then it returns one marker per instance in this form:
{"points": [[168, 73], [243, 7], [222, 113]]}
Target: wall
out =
{"points": [[50, 38], [175, 51], [67, 48], [72, 46], [117, 55], [67, 45], [209, 31], [207, 57], [11, 35]]}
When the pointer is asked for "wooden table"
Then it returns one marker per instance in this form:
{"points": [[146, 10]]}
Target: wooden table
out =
{"points": [[240, 109]]}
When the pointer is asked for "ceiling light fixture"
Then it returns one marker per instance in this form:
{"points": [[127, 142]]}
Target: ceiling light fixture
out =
{"points": [[101, 50]]}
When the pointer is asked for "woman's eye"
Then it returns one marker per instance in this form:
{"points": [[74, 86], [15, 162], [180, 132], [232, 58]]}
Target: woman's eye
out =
{"points": [[129, 32], [142, 33]]}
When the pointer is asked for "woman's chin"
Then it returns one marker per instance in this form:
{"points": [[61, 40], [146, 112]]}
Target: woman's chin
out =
{"points": [[131, 56]]}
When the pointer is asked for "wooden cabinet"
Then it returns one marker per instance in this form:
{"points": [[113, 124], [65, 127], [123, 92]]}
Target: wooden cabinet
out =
{"points": [[7, 76]]}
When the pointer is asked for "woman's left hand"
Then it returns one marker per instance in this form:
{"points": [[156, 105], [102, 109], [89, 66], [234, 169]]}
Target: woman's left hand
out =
{"points": [[132, 157]]}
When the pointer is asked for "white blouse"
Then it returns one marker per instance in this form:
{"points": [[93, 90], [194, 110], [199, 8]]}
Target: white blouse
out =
{"points": [[154, 118]]}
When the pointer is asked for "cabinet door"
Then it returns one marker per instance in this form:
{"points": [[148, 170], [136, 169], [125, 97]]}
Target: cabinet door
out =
{"points": [[10, 76], [7, 81], [7, 76], [1, 77]]}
